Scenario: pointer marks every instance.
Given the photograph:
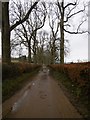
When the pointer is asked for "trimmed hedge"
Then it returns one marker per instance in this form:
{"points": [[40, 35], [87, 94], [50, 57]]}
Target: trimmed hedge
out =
{"points": [[78, 75], [16, 69]]}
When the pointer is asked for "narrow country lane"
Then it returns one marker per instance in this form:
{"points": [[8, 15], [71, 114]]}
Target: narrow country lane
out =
{"points": [[41, 98]]}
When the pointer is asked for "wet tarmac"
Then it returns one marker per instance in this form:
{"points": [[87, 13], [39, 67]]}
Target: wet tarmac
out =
{"points": [[41, 98]]}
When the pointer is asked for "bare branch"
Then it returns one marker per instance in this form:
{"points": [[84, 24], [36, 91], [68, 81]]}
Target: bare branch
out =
{"points": [[81, 24], [52, 27], [74, 14], [25, 31], [70, 10], [74, 4], [58, 4], [25, 18], [77, 32]]}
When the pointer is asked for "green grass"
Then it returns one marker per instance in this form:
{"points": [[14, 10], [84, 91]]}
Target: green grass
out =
{"points": [[10, 86]]}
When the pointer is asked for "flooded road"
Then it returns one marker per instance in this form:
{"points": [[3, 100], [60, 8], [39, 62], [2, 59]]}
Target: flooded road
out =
{"points": [[41, 98]]}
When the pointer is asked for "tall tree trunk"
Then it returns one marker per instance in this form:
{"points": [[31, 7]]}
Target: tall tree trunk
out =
{"points": [[29, 51], [34, 48], [35, 55], [62, 35], [5, 33], [54, 51], [52, 56], [42, 55], [62, 44]]}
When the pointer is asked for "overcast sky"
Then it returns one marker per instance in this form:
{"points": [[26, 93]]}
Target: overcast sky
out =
{"points": [[78, 45]]}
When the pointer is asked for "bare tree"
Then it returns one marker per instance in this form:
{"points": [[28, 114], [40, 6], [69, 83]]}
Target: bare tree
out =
{"points": [[66, 12], [54, 26], [27, 32], [38, 24], [41, 48], [6, 29]]}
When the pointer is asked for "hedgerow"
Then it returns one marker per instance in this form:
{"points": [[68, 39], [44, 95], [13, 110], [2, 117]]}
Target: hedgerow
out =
{"points": [[15, 76], [16, 69], [77, 73]]}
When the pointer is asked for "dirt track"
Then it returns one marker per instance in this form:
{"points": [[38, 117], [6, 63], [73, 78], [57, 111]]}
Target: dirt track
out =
{"points": [[41, 98]]}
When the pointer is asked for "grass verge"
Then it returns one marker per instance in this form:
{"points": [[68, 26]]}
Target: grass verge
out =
{"points": [[72, 92]]}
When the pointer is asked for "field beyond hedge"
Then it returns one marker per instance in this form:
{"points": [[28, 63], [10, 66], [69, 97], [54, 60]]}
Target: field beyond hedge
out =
{"points": [[76, 78]]}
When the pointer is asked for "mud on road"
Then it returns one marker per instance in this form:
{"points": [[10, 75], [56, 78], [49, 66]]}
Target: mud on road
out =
{"points": [[41, 98]]}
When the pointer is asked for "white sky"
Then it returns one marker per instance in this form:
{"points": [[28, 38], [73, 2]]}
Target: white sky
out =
{"points": [[78, 43], [78, 46]]}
